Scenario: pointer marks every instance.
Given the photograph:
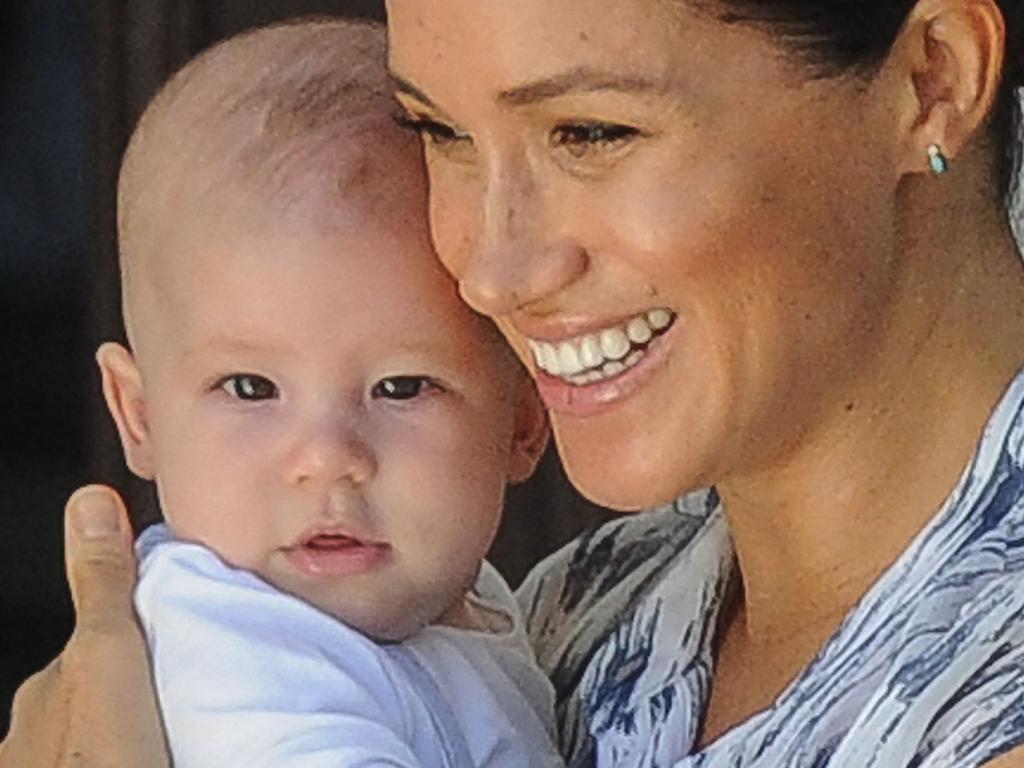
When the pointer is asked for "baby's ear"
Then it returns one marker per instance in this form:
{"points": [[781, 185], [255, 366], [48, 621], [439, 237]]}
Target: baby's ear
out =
{"points": [[122, 389], [530, 438]]}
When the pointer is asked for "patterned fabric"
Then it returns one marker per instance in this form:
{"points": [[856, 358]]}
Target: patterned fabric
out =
{"points": [[927, 671]]}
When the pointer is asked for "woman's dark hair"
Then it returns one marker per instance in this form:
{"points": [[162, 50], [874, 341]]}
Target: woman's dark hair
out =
{"points": [[837, 36]]}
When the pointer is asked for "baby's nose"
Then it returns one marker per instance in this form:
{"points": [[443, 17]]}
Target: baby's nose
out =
{"points": [[329, 455]]}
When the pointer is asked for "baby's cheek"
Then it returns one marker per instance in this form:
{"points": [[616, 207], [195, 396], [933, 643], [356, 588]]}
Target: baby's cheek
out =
{"points": [[214, 489], [438, 490]]}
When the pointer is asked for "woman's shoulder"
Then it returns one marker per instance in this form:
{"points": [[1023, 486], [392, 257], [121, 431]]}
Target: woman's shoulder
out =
{"points": [[600, 613], [609, 567], [574, 600]]}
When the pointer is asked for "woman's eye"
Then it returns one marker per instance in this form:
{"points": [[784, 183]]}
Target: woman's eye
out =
{"points": [[249, 387], [581, 139], [400, 387], [434, 133]]}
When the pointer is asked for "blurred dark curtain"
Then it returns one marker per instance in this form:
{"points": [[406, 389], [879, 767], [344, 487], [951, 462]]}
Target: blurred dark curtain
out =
{"points": [[43, 271]]}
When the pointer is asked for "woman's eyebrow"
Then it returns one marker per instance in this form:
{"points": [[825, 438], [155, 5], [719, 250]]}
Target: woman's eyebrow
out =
{"points": [[579, 80]]}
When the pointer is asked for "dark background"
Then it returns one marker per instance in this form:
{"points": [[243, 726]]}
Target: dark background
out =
{"points": [[74, 75]]}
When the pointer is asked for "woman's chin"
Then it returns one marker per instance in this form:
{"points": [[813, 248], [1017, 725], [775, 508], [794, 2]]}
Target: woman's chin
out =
{"points": [[619, 479]]}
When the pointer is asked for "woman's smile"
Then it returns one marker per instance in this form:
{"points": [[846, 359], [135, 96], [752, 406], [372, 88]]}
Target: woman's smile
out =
{"points": [[587, 358], [590, 373]]}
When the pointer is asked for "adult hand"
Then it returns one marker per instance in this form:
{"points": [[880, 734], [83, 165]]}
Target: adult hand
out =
{"points": [[94, 706]]}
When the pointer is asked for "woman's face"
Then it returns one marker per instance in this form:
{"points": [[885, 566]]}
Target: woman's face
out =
{"points": [[686, 237]]}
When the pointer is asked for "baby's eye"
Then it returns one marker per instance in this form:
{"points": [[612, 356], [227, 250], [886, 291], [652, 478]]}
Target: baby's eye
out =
{"points": [[583, 139], [401, 387], [249, 386]]}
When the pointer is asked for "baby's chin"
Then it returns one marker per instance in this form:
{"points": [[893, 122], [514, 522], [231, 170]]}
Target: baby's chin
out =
{"points": [[382, 628], [383, 621]]}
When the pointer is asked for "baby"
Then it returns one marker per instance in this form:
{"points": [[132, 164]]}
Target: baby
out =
{"points": [[330, 429]]}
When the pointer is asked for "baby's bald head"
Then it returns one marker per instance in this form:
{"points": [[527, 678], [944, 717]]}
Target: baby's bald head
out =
{"points": [[293, 332], [290, 124]]}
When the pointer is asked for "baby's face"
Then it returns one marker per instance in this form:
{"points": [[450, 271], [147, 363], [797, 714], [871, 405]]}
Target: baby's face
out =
{"points": [[320, 408]]}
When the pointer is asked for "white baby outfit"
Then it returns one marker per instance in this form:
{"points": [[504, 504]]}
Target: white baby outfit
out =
{"points": [[247, 675]]}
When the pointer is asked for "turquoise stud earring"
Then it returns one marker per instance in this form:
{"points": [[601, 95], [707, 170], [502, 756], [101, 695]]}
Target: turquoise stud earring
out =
{"points": [[938, 161]]}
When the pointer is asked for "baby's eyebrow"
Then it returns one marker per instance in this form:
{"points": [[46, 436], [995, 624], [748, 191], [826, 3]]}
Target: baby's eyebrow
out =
{"points": [[228, 344]]}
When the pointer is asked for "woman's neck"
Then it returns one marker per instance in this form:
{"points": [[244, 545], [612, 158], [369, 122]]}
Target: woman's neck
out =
{"points": [[815, 530]]}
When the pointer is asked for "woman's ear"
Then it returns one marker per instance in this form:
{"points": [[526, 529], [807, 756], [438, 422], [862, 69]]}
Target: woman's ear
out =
{"points": [[950, 53], [122, 389], [530, 438]]}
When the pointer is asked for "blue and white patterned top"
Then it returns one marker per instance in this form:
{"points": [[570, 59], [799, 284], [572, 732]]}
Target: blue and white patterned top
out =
{"points": [[926, 671]]}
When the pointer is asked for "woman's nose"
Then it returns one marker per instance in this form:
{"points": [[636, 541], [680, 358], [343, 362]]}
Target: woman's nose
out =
{"points": [[520, 257], [328, 455]]}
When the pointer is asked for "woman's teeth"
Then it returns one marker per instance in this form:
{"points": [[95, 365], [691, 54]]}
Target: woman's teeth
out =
{"points": [[602, 355]]}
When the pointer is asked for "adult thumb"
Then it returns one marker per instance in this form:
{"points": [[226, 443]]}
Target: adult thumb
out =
{"points": [[100, 561]]}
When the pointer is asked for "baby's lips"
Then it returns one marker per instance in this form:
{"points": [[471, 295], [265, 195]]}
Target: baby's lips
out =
{"points": [[332, 541], [334, 536]]}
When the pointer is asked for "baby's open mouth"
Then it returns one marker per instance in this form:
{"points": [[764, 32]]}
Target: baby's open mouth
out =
{"points": [[332, 553], [329, 541], [602, 355]]}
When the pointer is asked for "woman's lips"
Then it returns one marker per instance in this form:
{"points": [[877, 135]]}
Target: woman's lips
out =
{"points": [[337, 555], [583, 400]]}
